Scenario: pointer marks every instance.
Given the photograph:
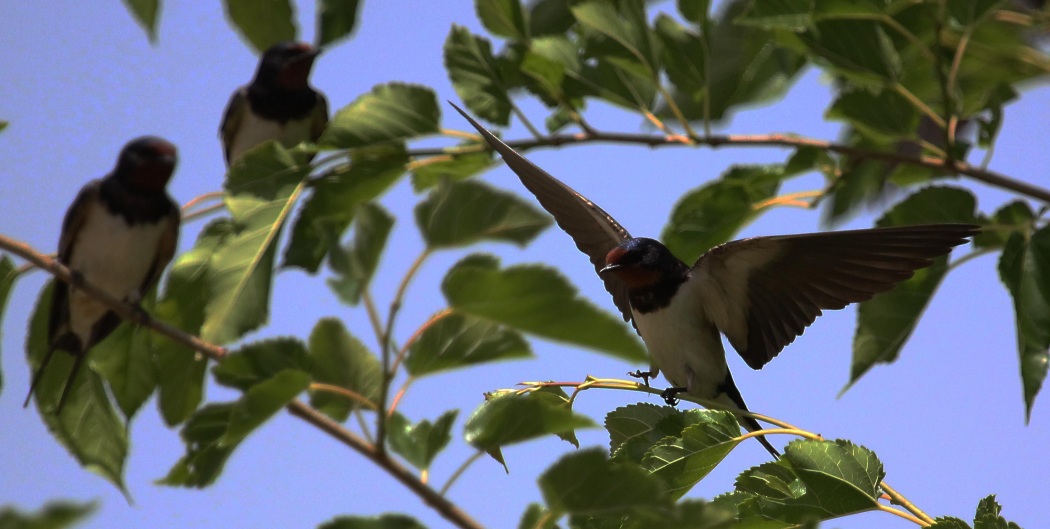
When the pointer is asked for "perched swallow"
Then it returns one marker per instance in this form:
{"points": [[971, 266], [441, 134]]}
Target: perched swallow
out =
{"points": [[760, 292], [119, 234], [279, 104]]}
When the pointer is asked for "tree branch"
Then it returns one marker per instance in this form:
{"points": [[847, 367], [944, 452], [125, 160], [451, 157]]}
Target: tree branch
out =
{"points": [[431, 497], [973, 172]]}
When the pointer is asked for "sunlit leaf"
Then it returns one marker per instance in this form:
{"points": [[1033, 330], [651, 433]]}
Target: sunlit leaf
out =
{"points": [[420, 443], [587, 482], [459, 340], [180, 370], [1025, 270], [341, 360], [475, 75], [336, 19], [510, 419], [355, 263], [538, 300], [205, 456], [383, 521], [262, 24], [391, 112], [257, 362], [682, 460], [463, 213], [261, 402], [335, 202], [262, 189], [88, 426], [453, 167], [505, 18], [145, 13], [53, 515]]}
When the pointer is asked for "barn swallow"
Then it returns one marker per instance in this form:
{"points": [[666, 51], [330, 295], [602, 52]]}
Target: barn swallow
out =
{"points": [[278, 104], [119, 235], [761, 292]]}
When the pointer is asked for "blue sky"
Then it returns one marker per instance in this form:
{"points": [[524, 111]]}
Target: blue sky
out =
{"points": [[947, 420]]}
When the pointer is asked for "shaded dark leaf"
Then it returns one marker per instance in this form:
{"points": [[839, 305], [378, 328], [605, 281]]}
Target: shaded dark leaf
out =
{"points": [[342, 360], [391, 112], [336, 20], [463, 213], [262, 24]]}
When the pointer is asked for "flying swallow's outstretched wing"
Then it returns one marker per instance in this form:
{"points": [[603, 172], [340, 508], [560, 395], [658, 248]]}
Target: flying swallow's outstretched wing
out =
{"points": [[764, 291], [593, 230]]}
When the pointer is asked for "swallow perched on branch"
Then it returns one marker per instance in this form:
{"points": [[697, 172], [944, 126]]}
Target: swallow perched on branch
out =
{"points": [[119, 234], [278, 104], [761, 293]]}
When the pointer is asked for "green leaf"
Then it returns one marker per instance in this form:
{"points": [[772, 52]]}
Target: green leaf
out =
{"points": [[8, 276], [886, 321], [53, 515], [125, 360], [260, 361], [504, 18], [1025, 270], [261, 402], [180, 371], [792, 15], [476, 76], [538, 300], [711, 214], [816, 480], [858, 49], [88, 426], [463, 213], [533, 515], [261, 23], [1017, 216], [454, 167], [513, 418], [635, 421], [751, 67], [988, 517], [390, 112], [948, 522], [336, 200], [683, 460], [205, 456], [549, 17], [383, 521], [588, 483], [336, 19], [215, 430], [262, 189], [458, 340], [145, 13], [884, 117], [419, 444], [624, 24], [342, 360], [356, 262]]}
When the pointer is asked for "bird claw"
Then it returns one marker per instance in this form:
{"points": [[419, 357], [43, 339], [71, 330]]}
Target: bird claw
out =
{"points": [[644, 375], [670, 395]]}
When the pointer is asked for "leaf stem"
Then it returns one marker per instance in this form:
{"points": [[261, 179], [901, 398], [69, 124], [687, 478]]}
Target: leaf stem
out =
{"points": [[343, 392], [459, 471], [899, 499], [385, 346], [904, 515], [439, 503]]}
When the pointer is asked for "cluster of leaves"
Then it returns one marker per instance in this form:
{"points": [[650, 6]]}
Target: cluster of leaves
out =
{"points": [[689, 67]]}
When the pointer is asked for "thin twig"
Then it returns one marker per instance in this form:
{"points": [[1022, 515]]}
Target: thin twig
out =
{"points": [[385, 346], [126, 311], [899, 499], [343, 392], [980, 174], [459, 472], [434, 499], [445, 508]]}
